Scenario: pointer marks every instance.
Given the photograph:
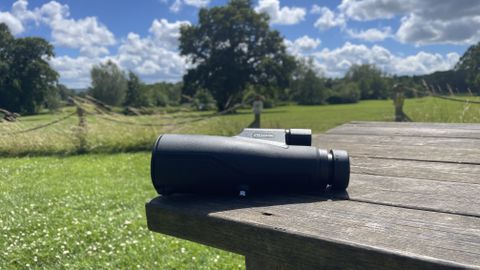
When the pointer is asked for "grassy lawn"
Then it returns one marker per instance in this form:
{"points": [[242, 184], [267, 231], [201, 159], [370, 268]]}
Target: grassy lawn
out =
{"points": [[116, 133], [87, 212]]}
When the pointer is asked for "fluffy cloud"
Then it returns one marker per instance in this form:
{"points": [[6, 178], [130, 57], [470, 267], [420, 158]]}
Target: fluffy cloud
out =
{"points": [[17, 17], [178, 4], [337, 61], [371, 35], [150, 58], [74, 71], [15, 25], [166, 32], [302, 45], [153, 57], [284, 15], [419, 30], [88, 35], [423, 22], [328, 19]]}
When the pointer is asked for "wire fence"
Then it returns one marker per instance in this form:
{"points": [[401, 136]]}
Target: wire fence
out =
{"points": [[113, 117], [102, 111]]}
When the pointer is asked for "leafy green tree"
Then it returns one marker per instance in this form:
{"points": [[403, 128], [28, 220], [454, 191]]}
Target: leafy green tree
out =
{"points": [[26, 78], [308, 86], [370, 80], [64, 92], [344, 92], [164, 93], [108, 83], [136, 94], [470, 63], [203, 100], [230, 47]]}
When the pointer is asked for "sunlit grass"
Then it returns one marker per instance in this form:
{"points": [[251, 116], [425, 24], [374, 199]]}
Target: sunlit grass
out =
{"points": [[87, 212], [113, 133]]}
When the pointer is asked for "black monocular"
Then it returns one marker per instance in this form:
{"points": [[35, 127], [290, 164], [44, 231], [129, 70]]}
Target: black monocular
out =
{"points": [[256, 160]]}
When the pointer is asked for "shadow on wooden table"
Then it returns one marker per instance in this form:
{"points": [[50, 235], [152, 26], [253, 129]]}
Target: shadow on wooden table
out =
{"points": [[205, 204]]}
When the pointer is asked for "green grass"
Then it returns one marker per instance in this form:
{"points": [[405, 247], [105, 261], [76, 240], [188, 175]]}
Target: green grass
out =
{"points": [[87, 212], [107, 136]]}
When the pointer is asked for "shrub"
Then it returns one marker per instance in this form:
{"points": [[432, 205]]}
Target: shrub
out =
{"points": [[203, 100], [344, 93]]}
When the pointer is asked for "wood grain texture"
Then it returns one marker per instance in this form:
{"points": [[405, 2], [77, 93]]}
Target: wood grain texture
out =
{"points": [[438, 171], [399, 129], [413, 203], [439, 196], [313, 232], [407, 148]]}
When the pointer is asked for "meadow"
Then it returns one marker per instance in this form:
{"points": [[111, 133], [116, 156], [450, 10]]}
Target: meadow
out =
{"points": [[112, 133], [86, 211]]}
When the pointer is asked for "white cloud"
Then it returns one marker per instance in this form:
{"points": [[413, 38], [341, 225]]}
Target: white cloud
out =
{"points": [[178, 4], [150, 58], [17, 17], [371, 35], [307, 43], [166, 32], [14, 24], [154, 57], [302, 45], [374, 9], [74, 71], [284, 15], [423, 22], [316, 9], [20, 11], [420, 31], [337, 61], [88, 35], [328, 19]]}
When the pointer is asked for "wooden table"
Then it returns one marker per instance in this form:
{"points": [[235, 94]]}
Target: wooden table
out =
{"points": [[413, 203]]}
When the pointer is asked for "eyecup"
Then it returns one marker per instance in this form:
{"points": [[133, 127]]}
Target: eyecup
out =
{"points": [[341, 169]]}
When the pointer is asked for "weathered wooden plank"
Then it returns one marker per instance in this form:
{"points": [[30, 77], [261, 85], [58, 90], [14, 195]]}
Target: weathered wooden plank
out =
{"points": [[405, 130], [451, 172], [468, 126], [395, 148], [324, 140], [441, 196], [312, 232]]}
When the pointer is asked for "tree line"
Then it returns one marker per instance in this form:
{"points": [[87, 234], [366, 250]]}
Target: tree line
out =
{"points": [[234, 56]]}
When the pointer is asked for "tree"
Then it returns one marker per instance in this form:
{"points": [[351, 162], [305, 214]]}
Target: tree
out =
{"points": [[64, 92], [370, 80], [470, 63], [108, 83], [135, 95], [26, 78], [308, 86], [230, 47], [344, 92]]}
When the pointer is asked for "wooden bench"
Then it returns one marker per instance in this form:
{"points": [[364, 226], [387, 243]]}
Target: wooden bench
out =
{"points": [[413, 203]]}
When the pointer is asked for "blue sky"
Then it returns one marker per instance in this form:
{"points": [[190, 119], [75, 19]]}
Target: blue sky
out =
{"points": [[400, 37]]}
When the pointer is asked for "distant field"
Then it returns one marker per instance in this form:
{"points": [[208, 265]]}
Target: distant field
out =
{"points": [[87, 212], [114, 133]]}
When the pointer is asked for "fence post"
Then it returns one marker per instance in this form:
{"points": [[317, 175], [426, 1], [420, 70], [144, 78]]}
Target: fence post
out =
{"points": [[257, 108], [81, 130], [398, 101]]}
